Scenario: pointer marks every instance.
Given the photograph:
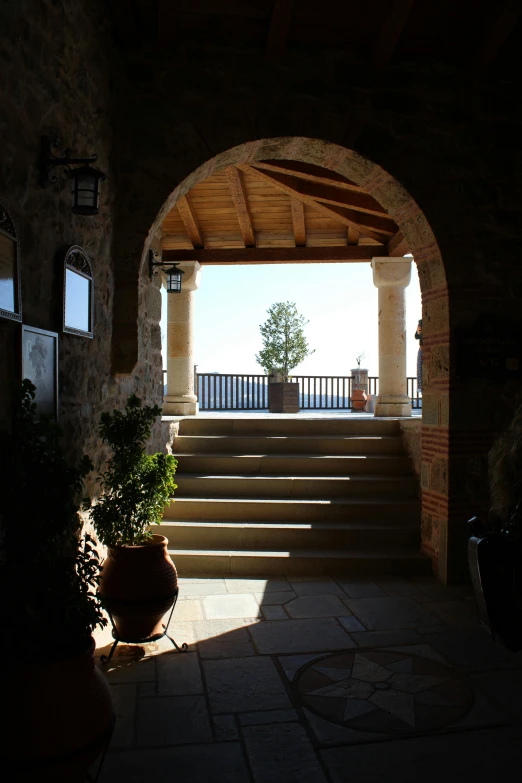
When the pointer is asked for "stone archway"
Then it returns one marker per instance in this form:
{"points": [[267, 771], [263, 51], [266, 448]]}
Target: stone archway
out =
{"points": [[435, 305]]}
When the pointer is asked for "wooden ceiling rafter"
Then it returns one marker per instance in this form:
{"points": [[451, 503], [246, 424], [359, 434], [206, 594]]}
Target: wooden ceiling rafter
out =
{"points": [[309, 172], [386, 42], [274, 255], [239, 197], [498, 33], [190, 221], [298, 222], [398, 246], [280, 22], [340, 214], [352, 236]]}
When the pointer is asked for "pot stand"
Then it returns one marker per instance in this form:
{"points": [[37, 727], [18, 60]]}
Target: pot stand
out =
{"points": [[104, 659]]}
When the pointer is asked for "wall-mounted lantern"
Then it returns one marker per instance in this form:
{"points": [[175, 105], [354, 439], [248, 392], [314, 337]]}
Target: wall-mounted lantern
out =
{"points": [[86, 180], [172, 273]]}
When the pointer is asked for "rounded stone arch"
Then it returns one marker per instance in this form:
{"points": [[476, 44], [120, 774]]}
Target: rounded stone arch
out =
{"points": [[432, 454]]}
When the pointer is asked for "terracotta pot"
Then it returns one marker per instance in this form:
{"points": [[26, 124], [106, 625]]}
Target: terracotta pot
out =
{"points": [[138, 585], [60, 718], [358, 399]]}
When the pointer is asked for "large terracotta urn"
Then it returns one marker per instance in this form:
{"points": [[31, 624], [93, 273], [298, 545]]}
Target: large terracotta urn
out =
{"points": [[138, 585]]}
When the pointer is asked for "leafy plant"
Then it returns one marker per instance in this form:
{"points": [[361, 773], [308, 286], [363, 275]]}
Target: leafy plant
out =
{"points": [[360, 356], [136, 486], [49, 571], [284, 343]]}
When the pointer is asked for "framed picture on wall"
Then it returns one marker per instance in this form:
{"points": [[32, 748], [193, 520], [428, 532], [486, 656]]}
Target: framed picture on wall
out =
{"points": [[10, 276], [40, 366], [78, 294]]}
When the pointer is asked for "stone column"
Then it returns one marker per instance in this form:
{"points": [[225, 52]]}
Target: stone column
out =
{"points": [[391, 276], [180, 399]]}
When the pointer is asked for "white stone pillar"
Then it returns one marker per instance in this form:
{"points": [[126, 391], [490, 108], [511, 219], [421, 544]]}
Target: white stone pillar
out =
{"points": [[180, 399], [391, 276]]}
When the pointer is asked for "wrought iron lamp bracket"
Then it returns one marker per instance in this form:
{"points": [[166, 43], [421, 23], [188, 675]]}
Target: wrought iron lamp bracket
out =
{"points": [[154, 263], [48, 161]]}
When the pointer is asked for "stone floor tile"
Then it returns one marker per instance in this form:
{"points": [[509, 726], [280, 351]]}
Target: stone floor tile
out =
{"points": [[316, 587], [272, 599], [223, 607], [423, 650], [121, 670], [178, 674], [439, 592], [172, 720], [461, 615], [244, 684], [225, 727], [390, 613], [193, 587], [484, 713], [224, 638], [328, 733], [188, 610], [267, 716], [309, 579], [470, 650], [292, 663], [295, 636], [182, 633], [385, 638], [316, 606], [124, 702], [480, 756], [396, 586], [274, 613], [190, 764], [364, 588], [351, 624], [261, 585], [146, 690], [282, 754], [504, 687]]}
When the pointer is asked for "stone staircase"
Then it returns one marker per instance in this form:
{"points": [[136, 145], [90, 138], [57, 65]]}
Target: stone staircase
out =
{"points": [[300, 496]]}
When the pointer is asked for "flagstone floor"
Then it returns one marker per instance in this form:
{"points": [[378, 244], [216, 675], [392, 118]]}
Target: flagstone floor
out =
{"points": [[315, 680]]}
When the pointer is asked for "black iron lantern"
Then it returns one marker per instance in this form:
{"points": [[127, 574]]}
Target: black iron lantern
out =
{"points": [[86, 189], [86, 180], [173, 273]]}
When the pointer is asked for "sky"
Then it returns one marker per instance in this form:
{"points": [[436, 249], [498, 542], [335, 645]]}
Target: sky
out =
{"points": [[338, 300]]}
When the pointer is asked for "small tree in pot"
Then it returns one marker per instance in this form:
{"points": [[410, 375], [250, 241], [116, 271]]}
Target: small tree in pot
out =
{"points": [[284, 347], [58, 702], [138, 581]]}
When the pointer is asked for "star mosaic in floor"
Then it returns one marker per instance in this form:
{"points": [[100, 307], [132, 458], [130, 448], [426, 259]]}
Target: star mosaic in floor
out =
{"points": [[381, 691]]}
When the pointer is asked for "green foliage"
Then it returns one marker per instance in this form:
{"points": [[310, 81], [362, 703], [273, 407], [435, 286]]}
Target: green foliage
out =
{"points": [[136, 486], [48, 573], [284, 343]]}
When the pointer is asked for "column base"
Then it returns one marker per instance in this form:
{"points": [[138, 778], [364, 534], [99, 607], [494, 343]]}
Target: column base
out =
{"points": [[392, 406], [179, 408]]}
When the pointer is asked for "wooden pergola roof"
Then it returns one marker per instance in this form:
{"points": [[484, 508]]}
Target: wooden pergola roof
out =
{"points": [[279, 211]]}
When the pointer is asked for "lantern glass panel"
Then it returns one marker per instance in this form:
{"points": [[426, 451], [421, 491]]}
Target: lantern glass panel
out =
{"points": [[174, 282]]}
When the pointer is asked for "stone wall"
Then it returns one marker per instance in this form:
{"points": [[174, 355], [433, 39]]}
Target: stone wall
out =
{"points": [[56, 75], [411, 435]]}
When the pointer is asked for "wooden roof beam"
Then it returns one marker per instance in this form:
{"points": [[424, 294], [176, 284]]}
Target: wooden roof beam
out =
{"points": [[279, 27], [498, 32], [367, 225], [352, 236], [239, 197], [295, 168], [298, 222], [398, 246], [190, 221], [391, 30], [276, 255]]}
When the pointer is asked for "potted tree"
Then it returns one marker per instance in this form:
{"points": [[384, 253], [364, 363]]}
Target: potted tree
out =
{"points": [[57, 701], [284, 347], [138, 581]]}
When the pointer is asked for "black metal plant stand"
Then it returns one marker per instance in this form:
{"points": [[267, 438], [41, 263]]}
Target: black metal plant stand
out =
{"points": [[104, 659]]}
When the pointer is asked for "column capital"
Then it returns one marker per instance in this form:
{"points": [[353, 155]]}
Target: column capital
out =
{"points": [[192, 277], [391, 272]]}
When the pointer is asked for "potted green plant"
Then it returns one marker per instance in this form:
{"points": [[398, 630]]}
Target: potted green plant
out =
{"points": [[138, 581], [58, 702], [284, 347]]}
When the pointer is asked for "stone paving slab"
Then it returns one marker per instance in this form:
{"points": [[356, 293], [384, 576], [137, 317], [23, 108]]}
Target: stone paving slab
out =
{"points": [[244, 684], [462, 615], [274, 613], [364, 588], [224, 607], [471, 650], [316, 606], [317, 587], [380, 614], [179, 674], [268, 716], [271, 599], [282, 754], [189, 764], [172, 720], [124, 702], [224, 638], [293, 636], [261, 585]]}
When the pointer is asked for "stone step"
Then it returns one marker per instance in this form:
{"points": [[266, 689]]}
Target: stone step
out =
{"points": [[286, 444], [294, 464], [300, 425], [397, 561], [382, 510], [300, 487], [209, 534]]}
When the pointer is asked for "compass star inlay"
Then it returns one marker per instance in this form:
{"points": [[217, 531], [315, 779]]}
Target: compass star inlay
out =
{"points": [[382, 690]]}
